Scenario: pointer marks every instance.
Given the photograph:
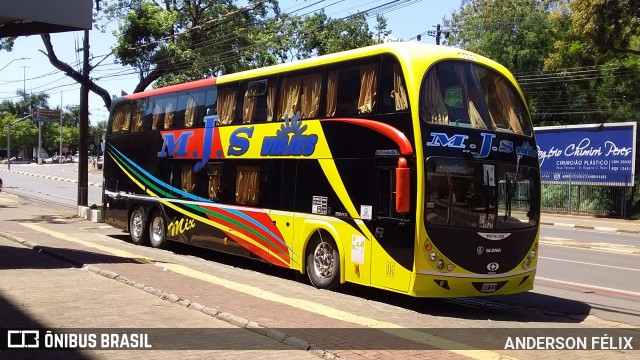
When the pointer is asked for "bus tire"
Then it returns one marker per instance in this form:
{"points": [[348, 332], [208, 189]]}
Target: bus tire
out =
{"points": [[157, 230], [137, 227], [323, 262]]}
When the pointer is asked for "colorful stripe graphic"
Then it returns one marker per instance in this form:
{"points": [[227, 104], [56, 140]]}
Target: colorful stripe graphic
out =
{"points": [[249, 228]]}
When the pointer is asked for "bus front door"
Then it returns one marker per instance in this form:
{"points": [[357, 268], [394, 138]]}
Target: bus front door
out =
{"points": [[392, 245]]}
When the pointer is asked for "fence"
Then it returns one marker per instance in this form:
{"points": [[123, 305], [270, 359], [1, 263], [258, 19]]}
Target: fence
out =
{"points": [[593, 199]]}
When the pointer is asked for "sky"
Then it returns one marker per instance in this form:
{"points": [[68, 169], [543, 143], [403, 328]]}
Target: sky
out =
{"points": [[26, 67]]}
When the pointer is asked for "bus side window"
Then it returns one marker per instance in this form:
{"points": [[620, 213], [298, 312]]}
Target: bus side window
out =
{"points": [[210, 102], [187, 178], [247, 185], [227, 105], [138, 115], [170, 118], [368, 88], [290, 94], [256, 102], [300, 94], [393, 92], [214, 173], [157, 116], [122, 118], [343, 92]]}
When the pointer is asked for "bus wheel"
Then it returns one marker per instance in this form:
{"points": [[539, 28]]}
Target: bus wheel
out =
{"points": [[137, 227], [157, 230], [323, 262]]}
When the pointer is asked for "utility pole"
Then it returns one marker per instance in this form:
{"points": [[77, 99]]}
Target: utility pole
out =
{"points": [[24, 82], [84, 125], [438, 33]]}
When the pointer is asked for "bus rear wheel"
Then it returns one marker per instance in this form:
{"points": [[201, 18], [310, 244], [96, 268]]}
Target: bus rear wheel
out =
{"points": [[323, 262], [157, 230], [137, 227]]}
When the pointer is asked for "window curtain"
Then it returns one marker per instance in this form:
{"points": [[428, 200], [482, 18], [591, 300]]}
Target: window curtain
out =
{"points": [[506, 106], [186, 178], [433, 101], [247, 185], [290, 97], [118, 120], [226, 105], [311, 86], [332, 93], [137, 120], [168, 115], [157, 113], [271, 100], [248, 107], [214, 171], [126, 120], [368, 88], [474, 116], [190, 112], [399, 93]]}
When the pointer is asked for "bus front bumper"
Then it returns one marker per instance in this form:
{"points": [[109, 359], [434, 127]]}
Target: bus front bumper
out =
{"points": [[455, 285]]}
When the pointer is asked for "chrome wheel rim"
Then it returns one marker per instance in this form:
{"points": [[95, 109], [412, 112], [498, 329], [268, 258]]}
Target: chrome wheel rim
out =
{"points": [[157, 230], [323, 260], [136, 225]]}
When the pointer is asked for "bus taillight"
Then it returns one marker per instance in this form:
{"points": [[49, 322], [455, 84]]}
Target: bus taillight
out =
{"points": [[403, 183]]}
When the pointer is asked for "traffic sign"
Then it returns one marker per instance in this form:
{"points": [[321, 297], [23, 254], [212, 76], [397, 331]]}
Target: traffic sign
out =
{"points": [[45, 114]]}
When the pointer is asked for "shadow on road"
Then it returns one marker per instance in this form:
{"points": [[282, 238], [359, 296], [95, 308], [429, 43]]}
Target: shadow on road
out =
{"points": [[520, 307]]}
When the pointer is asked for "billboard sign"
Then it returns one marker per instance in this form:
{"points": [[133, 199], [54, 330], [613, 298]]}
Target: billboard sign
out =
{"points": [[590, 154]]}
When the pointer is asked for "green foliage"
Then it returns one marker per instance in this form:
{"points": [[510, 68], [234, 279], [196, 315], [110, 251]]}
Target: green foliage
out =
{"points": [[182, 40], [7, 43], [513, 32]]}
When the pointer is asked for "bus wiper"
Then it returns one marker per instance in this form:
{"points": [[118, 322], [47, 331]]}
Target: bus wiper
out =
{"points": [[511, 185]]}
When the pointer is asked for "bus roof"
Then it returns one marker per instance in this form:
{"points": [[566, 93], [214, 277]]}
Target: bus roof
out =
{"points": [[400, 49]]}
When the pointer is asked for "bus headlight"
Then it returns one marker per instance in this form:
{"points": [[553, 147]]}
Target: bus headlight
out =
{"points": [[440, 264], [450, 267], [533, 254], [526, 263], [432, 256]]}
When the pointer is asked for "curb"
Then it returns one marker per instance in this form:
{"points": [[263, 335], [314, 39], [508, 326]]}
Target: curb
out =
{"points": [[240, 322], [599, 228], [50, 177]]}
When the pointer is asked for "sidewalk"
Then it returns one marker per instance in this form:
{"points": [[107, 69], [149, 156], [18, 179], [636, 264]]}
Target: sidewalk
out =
{"points": [[116, 284], [591, 222]]}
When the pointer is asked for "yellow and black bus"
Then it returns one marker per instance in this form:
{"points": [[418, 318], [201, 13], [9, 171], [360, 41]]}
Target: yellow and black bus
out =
{"points": [[402, 166]]}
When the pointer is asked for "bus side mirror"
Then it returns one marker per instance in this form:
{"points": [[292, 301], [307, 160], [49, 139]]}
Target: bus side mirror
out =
{"points": [[403, 186]]}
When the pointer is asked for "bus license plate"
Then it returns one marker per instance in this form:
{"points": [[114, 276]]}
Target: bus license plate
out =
{"points": [[489, 287]]}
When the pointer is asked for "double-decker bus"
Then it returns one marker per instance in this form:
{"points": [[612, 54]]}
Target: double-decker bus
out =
{"points": [[402, 166]]}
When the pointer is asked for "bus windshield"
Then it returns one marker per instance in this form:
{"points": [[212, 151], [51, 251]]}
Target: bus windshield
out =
{"points": [[482, 195], [463, 94]]}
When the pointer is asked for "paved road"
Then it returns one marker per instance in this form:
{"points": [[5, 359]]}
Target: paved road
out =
{"points": [[149, 287]]}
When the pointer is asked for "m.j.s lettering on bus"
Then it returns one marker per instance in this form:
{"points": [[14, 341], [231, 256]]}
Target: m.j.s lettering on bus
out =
{"points": [[459, 141], [200, 142]]}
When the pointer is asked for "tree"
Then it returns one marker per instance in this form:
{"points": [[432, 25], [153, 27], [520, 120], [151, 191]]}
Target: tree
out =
{"points": [[171, 41], [183, 40], [597, 54], [515, 33]]}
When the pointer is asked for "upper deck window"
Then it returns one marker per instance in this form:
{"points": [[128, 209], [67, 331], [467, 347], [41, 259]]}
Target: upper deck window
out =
{"points": [[465, 94]]}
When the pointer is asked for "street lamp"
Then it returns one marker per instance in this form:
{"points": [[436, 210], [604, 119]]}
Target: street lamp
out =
{"points": [[22, 58]]}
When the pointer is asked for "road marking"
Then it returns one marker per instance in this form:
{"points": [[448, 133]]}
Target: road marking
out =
{"points": [[307, 305], [591, 287], [588, 263]]}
